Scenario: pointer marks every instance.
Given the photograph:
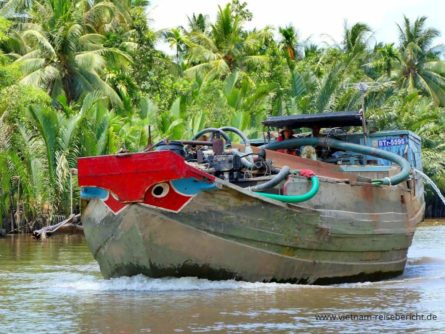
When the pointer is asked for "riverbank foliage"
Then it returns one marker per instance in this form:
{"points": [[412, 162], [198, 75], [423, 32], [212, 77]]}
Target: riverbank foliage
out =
{"points": [[82, 78]]}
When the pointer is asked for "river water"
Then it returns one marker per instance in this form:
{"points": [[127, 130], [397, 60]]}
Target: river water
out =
{"points": [[54, 286]]}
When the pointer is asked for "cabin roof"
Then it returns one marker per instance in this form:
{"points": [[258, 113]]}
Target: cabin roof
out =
{"points": [[322, 120]]}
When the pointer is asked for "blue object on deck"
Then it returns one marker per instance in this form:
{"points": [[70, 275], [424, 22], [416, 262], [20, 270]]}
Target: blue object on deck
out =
{"points": [[191, 186], [93, 193], [401, 142]]}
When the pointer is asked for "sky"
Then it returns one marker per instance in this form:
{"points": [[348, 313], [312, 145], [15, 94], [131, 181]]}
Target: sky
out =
{"points": [[318, 20]]}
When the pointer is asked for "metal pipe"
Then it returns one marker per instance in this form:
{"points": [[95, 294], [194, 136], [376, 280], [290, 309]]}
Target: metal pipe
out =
{"points": [[238, 132], [247, 162]]}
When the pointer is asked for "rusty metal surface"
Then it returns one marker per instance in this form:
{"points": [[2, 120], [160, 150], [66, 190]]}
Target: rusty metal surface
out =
{"points": [[157, 246], [232, 233], [320, 168]]}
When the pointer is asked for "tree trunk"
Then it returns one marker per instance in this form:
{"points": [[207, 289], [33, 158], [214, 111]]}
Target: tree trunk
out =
{"points": [[49, 230]]}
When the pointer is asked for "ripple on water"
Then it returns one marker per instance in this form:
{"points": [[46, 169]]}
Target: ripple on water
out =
{"points": [[143, 283]]}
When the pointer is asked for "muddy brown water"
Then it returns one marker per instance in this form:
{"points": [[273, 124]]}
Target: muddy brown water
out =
{"points": [[54, 286]]}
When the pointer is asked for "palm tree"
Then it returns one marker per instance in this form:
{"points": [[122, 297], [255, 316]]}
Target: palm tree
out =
{"points": [[198, 23], [226, 33], [355, 39], [226, 48], [63, 51], [60, 136], [21, 151], [312, 50], [177, 40], [289, 40], [416, 34], [387, 57], [420, 68]]}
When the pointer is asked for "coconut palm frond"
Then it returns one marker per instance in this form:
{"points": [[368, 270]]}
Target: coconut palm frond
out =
{"points": [[35, 36], [90, 61]]}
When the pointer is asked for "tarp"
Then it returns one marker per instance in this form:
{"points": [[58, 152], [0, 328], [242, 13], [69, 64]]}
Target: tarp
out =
{"points": [[322, 120]]}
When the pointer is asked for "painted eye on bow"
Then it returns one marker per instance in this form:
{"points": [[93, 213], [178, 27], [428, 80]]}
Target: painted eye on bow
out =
{"points": [[160, 190]]}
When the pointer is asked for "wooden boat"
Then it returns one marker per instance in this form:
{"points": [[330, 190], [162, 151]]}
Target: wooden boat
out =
{"points": [[214, 210]]}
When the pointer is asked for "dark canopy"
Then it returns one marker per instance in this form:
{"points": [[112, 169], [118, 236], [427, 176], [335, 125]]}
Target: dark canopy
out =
{"points": [[322, 120]]}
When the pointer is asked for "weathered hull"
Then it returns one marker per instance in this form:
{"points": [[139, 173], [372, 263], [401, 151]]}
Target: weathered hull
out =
{"points": [[231, 233]]}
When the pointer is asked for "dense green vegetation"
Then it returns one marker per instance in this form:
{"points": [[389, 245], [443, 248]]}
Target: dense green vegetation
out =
{"points": [[82, 77]]}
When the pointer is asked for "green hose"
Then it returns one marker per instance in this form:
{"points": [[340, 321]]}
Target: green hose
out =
{"points": [[403, 175], [296, 198]]}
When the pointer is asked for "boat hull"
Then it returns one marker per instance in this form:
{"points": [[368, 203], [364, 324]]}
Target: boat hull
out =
{"points": [[231, 233]]}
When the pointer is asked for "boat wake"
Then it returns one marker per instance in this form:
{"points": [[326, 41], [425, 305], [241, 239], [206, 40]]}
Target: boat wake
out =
{"points": [[87, 278], [84, 282], [426, 260], [142, 283]]}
